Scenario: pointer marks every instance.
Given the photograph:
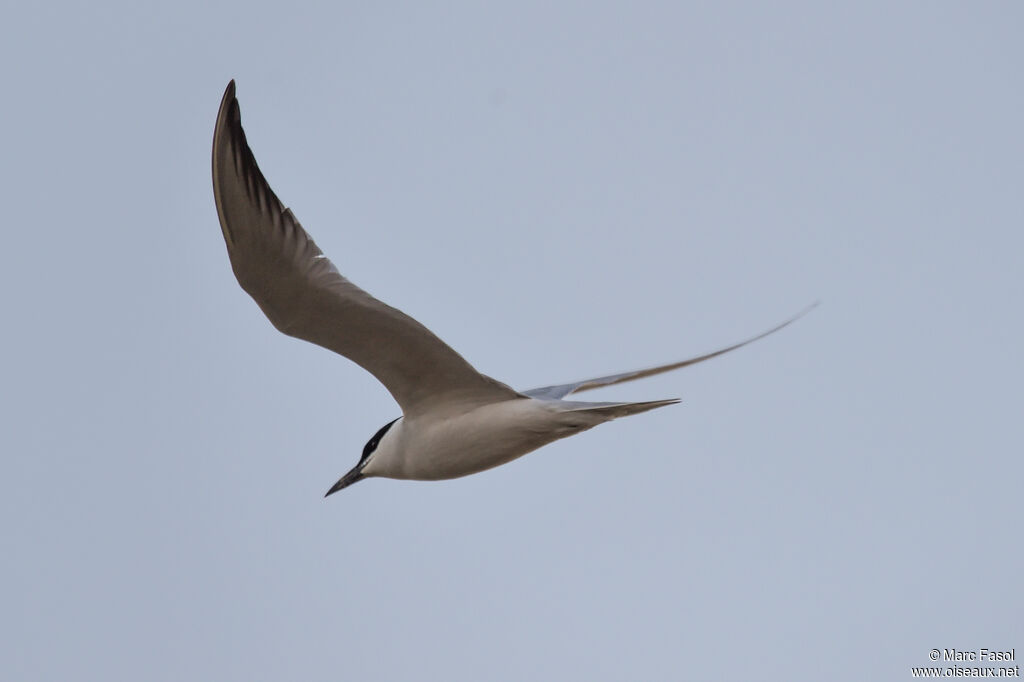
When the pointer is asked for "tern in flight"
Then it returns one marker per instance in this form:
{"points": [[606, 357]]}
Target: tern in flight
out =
{"points": [[455, 421]]}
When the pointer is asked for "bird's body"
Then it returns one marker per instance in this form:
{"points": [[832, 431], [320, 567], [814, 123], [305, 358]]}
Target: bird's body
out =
{"points": [[455, 421], [434, 447]]}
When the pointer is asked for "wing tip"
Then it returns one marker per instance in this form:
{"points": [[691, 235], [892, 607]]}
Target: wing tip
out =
{"points": [[788, 322], [814, 304], [227, 138], [229, 110]]}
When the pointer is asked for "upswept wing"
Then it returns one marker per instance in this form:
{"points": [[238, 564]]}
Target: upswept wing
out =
{"points": [[304, 295], [560, 391]]}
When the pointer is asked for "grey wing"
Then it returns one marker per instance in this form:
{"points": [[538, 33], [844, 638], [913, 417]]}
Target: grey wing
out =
{"points": [[303, 294], [560, 391]]}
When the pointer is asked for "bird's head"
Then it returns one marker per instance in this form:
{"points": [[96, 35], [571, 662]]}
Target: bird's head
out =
{"points": [[356, 474]]}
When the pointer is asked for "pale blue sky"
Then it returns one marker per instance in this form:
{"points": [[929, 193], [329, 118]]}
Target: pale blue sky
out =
{"points": [[559, 190]]}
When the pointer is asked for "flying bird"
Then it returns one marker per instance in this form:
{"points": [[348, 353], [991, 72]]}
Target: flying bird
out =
{"points": [[455, 421]]}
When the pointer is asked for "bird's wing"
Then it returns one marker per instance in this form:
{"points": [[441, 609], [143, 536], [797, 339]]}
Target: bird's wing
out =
{"points": [[562, 390], [303, 294]]}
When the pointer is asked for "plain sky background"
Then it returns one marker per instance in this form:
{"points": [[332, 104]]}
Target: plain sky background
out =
{"points": [[559, 190]]}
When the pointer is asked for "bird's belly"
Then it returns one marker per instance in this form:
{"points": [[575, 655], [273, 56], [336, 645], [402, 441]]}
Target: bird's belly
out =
{"points": [[486, 437]]}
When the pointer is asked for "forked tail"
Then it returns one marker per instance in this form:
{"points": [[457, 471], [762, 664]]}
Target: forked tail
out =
{"points": [[615, 410]]}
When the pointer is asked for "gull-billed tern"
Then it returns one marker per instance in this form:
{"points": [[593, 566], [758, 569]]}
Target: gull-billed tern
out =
{"points": [[455, 421]]}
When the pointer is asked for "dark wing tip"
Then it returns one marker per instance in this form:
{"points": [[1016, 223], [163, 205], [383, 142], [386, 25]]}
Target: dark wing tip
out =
{"points": [[229, 114], [234, 166], [228, 118], [227, 101]]}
